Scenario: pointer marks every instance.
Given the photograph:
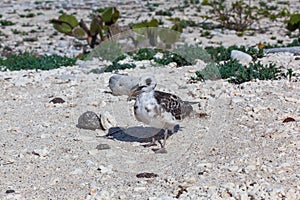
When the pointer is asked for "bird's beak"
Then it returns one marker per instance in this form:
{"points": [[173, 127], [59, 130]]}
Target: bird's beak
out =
{"points": [[135, 90]]}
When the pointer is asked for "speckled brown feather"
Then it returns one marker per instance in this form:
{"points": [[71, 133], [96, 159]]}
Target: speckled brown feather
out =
{"points": [[173, 104]]}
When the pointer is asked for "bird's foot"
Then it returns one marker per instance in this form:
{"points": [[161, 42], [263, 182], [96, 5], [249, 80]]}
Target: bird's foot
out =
{"points": [[161, 150]]}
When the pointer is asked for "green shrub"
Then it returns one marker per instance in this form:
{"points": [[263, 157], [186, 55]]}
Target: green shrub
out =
{"points": [[6, 23], [238, 73], [30, 61], [117, 66], [164, 13], [222, 54]]}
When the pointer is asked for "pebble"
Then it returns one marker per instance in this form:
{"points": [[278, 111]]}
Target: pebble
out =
{"points": [[102, 146], [41, 152], [89, 120], [237, 100], [105, 170]]}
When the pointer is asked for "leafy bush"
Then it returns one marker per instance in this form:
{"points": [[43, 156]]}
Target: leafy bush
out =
{"points": [[118, 66], [222, 54], [237, 16], [163, 13], [6, 23], [30, 61], [238, 73], [100, 25], [240, 15], [169, 57]]}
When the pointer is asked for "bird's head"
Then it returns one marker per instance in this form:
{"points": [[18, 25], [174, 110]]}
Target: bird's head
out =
{"points": [[146, 83]]}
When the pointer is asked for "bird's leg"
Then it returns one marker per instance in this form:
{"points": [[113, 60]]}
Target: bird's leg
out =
{"points": [[162, 149], [153, 143]]}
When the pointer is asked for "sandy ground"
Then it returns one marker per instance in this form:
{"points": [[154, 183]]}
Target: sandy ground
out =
{"points": [[241, 150]]}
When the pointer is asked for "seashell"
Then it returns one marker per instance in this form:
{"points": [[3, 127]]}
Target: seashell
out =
{"points": [[107, 120]]}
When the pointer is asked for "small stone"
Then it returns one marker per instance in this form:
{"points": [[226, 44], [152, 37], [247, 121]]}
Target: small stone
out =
{"points": [[41, 152], [57, 100], [105, 170], [250, 168], [102, 146], [232, 168], [288, 119], [93, 152], [237, 100], [9, 191], [89, 120], [146, 175], [244, 196]]}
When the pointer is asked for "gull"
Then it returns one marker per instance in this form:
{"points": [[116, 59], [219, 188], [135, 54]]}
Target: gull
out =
{"points": [[158, 109]]}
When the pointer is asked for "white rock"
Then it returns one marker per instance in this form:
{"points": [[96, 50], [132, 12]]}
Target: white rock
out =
{"points": [[105, 170], [244, 196], [242, 57], [237, 100], [41, 152]]}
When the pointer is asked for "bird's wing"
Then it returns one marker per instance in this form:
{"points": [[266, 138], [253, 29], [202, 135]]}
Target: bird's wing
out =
{"points": [[173, 104]]}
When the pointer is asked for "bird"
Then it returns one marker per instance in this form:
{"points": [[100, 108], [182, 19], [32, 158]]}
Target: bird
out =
{"points": [[158, 109]]}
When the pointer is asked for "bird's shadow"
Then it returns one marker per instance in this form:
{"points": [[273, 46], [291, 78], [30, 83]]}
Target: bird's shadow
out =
{"points": [[138, 133]]}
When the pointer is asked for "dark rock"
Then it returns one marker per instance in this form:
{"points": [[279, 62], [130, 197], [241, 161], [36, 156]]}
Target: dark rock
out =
{"points": [[57, 100], [146, 175], [102, 146], [288, 119], [89, 120]]}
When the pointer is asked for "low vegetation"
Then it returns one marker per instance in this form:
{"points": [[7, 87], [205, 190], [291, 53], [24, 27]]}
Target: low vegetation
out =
{"points": [[30, 61]]}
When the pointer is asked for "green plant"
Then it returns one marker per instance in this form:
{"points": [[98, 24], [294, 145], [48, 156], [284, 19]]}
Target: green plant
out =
{"points": [[222, 54], [30, 39], [238, 73], [100, 25], [117, 66], [167, 57], [240, 15], [6, 23], [164, 13], [30, 61], [26, 25], [237, 16], [15, 31], [289, 74], [29, 15]]}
